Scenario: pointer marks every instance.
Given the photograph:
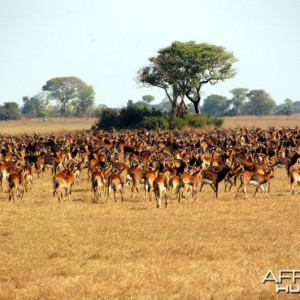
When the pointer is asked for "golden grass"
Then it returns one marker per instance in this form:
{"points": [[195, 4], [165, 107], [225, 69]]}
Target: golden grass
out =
{"points": [[262, 122], [63, 125], [208, 249], [57, 125]]}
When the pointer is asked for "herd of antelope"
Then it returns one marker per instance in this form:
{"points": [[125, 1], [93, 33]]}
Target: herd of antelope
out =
{"points": [[165, 164]]}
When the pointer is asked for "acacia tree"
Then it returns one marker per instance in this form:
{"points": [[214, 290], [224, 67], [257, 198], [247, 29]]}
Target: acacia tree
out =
{"points": [[65, 89], [183, 68], [158, 75]]}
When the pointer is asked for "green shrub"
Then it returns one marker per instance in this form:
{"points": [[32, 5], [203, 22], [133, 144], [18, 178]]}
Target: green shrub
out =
{"points": [[177, 123], [109, 117], [155, 123], [218, 122], [195, 120], [211, 120], [144, 116]]}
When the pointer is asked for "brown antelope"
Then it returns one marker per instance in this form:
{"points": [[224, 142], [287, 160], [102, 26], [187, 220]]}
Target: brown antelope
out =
{"points": [[213, 176], [160, 187], [135, 174], [48, 162], [288, 161], [207, 160], [256, 179], [3, 175], [93, 164], [174, 185], [232, 175], [189, 182], [77, 168], [295, 166], [25, 178], [149, 177], [142, 160], [5, 169], [98, 182], [67, 157], [294, 179], [29, 170], [15, 186], [116, 183], [63, 181]]}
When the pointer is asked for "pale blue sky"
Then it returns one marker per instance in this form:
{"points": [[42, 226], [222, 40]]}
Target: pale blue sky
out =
{"points": [[105, 42]]}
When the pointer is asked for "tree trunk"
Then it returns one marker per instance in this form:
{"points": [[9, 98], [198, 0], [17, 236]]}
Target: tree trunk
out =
{"points": [[195, 100], [173, 112], [197, 107]]}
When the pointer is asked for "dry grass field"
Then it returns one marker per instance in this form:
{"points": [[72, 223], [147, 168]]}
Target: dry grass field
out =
{"points": [[50, 125], [207, 249], [262, 122]]}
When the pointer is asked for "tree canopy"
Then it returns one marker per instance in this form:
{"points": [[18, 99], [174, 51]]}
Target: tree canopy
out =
{"points": [[10, 111], [35, 106], [261, 102], [287, 108], [183, 68], [239, 97], [67, 89], [215, 105]]}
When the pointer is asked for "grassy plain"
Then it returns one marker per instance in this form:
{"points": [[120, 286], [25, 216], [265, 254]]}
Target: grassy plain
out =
{"points": [[262, 122], [47, 126], [207, 249]]}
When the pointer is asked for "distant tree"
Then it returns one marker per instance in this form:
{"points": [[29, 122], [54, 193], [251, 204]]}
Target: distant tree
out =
{"points": [[239, 97], [163, 106], [247, 108], [142, 104], [286, 108], [148, 98], [296, 106], [260, 102], [84, 104], [215, 105], [182, 69], [35, 106], [66, 89], [10, 111]]}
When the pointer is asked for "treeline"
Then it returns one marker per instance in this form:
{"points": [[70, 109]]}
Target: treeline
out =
{"points": [[35, 108], [245, 102], [181, 70], [60, 97], [144, 113]]}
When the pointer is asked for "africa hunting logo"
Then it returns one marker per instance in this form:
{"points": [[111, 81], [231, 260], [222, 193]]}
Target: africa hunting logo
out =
{"points": [[286, 281]]}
